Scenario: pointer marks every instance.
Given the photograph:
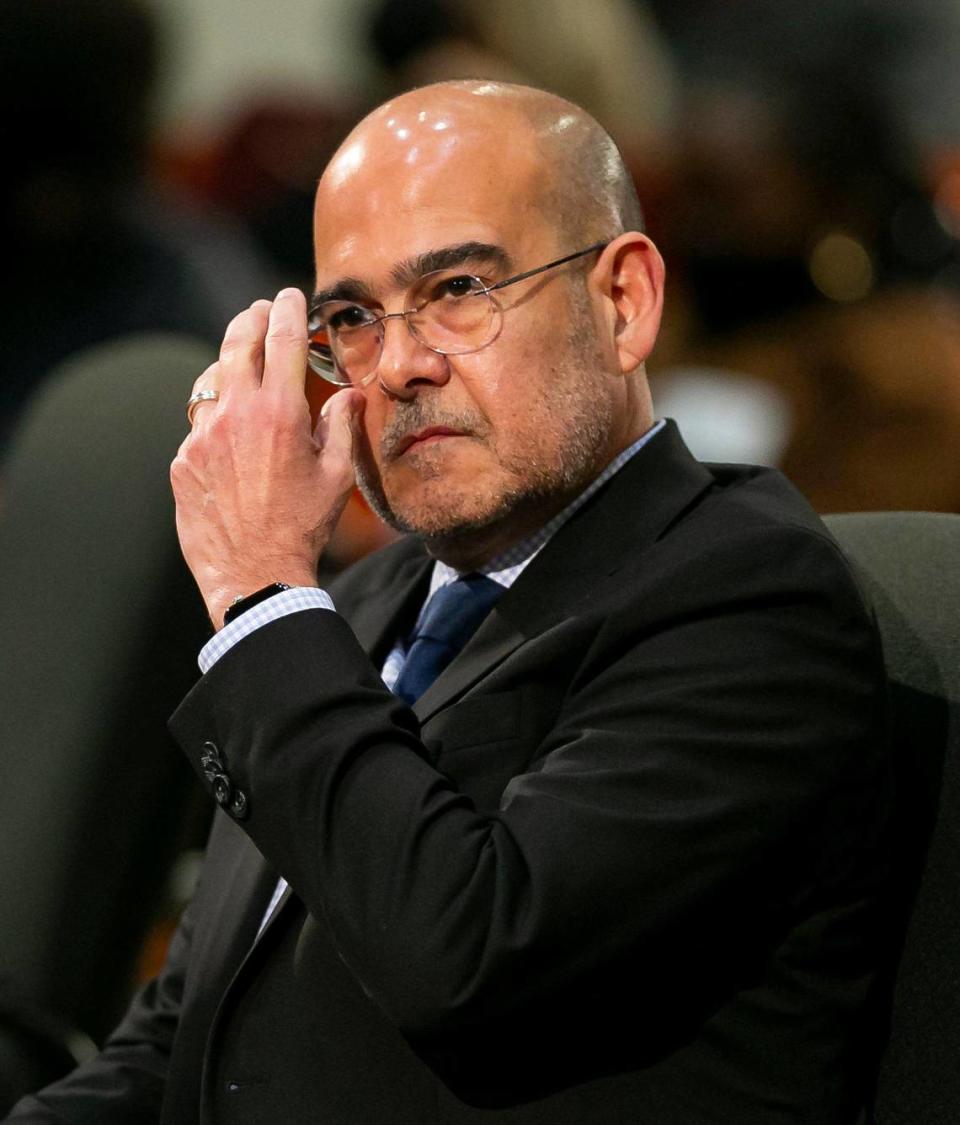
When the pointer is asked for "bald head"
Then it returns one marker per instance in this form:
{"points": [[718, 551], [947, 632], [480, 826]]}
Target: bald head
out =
{"points": [[549, 155], [587, 190]]}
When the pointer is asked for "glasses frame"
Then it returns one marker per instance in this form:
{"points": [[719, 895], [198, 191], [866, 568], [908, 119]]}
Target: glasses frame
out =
{"points": [[486, 291]]}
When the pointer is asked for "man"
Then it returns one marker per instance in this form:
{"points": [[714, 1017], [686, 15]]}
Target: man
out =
{"points": [[621, 859]]}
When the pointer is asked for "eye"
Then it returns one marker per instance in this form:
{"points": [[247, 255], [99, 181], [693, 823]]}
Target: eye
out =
{"points": [[454, 286], [344, 318], [329, 328], [343, 341]]}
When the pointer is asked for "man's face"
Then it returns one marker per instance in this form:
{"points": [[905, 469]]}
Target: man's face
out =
{"points": [[484, 445]]}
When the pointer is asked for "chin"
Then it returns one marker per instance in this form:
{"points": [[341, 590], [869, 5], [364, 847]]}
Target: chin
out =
{"points": [[434, 510]]}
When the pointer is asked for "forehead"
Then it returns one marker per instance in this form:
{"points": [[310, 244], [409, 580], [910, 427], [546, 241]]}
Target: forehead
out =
{"points": [[416, 176]]}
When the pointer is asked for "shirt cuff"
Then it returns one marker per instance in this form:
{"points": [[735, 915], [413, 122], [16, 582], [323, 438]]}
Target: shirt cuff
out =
{"points": [[271, 609]]}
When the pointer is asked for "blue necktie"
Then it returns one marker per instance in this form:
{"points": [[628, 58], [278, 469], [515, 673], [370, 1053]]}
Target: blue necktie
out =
{"points": [[452, 616]]}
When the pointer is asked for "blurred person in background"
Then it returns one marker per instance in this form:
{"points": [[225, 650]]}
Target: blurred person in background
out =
{"points": [[105, 241], [608, 56], [95, 252], [819, 274], [814, 261], [906, 54]]}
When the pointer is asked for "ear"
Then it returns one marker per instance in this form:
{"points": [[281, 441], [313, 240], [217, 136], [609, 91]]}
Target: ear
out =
{"points": [[629, 274]]}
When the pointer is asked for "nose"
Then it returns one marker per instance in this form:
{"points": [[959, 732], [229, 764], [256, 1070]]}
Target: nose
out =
{"points": [[406, 363]]}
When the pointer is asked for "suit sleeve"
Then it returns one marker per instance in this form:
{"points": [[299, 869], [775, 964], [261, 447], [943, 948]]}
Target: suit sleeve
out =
{"points": [[714, 765], [125, 1083]]}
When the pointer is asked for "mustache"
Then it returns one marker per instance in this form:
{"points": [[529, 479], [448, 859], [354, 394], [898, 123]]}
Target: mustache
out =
{"points": [[419, 413]]}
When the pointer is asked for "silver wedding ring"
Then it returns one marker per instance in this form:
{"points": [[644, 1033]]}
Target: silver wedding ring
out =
{"points": [[196, 398]]}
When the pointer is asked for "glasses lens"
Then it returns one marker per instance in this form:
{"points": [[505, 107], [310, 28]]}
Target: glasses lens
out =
{"points": [[343, 342], [319, 353], [453, 313]]}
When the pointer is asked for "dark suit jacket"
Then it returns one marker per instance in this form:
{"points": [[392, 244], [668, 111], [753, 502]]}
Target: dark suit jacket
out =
{"points": [[623, 862]]}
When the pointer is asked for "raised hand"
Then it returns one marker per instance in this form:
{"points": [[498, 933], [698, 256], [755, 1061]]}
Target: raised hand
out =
{"points": [[258, 488]]}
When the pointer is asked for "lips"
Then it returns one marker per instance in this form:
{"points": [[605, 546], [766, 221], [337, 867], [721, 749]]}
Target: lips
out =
{"points": [[428, 433]]}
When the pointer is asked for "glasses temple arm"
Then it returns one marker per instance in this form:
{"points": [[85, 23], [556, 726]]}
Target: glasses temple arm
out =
{"points": [[549, 266]]}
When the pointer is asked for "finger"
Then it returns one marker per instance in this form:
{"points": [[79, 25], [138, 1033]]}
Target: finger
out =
{"points": [[200, 406], [241, 353], [336, 432], [200, 400], [209, 380], [285, 349], [322, 428]]}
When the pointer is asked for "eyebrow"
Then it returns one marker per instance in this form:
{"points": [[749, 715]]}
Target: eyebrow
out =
{"points": [[407, 272], [449, 257], [346, 289]]}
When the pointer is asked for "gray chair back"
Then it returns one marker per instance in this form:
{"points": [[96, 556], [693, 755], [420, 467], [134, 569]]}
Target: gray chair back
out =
{"points": [[910, 566], [100, 627]]}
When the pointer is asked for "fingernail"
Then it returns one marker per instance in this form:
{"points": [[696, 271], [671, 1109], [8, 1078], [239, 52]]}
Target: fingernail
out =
{"points": [[289, 292]]}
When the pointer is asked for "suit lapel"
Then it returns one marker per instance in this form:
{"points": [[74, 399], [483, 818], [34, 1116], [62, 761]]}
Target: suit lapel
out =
{"points": [[384, 605], [247, 881]]}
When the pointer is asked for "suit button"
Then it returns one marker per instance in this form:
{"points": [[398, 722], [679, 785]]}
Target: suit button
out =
{"points": [[239, 806], [210, 761], [222, 789], [233, 1087]]}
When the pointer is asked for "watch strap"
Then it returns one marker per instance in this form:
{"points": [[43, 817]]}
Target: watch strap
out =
{"points": [[242, 603]]}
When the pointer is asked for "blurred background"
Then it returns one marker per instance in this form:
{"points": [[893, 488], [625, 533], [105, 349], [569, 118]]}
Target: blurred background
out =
{"points": [[799, 165]]}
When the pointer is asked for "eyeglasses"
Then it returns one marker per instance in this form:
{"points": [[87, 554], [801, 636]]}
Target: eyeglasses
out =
{"points": [[449, 312]]}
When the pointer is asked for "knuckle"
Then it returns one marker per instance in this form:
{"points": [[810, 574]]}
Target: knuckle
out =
{"points": [[236, 345], [286, 334], [180, 471], [280, 411], [218, 424], [207, 379], [286, 428]]}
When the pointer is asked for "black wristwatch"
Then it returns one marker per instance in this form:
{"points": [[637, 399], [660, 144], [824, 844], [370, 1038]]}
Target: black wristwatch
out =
{"points": [[241, 604]]}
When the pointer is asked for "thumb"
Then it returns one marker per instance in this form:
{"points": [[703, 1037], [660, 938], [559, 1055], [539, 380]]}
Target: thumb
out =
{"points": [[335, 431]]}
